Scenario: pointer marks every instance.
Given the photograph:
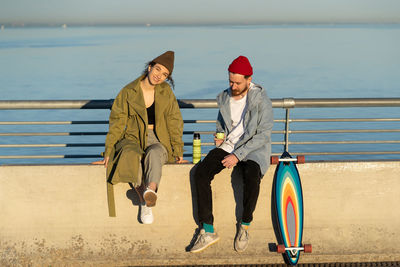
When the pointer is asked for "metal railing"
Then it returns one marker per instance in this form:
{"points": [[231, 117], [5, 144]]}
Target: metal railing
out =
{"points": [[313, 143]]}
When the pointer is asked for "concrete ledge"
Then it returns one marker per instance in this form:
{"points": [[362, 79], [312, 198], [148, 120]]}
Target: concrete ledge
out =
{"points": [[57, 215]]}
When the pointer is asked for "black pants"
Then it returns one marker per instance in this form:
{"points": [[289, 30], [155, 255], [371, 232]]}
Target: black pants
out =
{"points": [[204, 174]]}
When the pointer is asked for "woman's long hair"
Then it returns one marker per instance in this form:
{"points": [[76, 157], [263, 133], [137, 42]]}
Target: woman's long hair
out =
{"points": [[151, 64]]}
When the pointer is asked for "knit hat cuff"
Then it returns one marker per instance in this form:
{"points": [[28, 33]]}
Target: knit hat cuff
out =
{"points": [[241, 65]]}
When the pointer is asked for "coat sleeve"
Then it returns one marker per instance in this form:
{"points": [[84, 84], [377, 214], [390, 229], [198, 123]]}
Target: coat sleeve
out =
{"points": [[117, 121], [175, 127], [263, 130], [219, 123]]}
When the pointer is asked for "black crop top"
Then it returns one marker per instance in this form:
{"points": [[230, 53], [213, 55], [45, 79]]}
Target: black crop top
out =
{"points": [[150, 114]]}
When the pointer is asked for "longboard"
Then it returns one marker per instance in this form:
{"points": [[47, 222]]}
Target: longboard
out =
{"points": [[287, 208]]}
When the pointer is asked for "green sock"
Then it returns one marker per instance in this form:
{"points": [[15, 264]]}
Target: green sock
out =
{"points": [[245, 225], [209, 228]]}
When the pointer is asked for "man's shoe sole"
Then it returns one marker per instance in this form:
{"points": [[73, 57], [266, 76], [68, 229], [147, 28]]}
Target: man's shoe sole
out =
{"points": [[240, 251], [150, 199], [203, 248]]}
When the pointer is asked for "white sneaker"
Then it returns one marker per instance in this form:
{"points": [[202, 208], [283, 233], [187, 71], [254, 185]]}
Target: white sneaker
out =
{"points": [[146, 214], [241, 239], [204, 240]]}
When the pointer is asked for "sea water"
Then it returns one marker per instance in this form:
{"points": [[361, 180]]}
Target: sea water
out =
{"points": [[300, 61]]}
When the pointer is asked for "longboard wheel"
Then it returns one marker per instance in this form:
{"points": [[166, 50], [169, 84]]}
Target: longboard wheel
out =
{"points": [[301, 159], [307, 248], [280, 249], [274, 160]]}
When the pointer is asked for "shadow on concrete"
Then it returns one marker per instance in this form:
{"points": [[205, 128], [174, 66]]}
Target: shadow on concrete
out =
{"points": [[133, 196], [194, 238], [194, 195], [194, 208], [275, 221], [237, 186]]}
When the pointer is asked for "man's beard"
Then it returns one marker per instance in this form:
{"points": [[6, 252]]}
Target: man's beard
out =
{"points": [[237, 93]]}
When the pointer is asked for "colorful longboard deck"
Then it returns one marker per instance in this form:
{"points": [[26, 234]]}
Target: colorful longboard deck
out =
{"points": [[287, 208]]}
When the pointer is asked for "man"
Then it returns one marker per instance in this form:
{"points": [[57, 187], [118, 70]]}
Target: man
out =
{"points": [[245, 118]]}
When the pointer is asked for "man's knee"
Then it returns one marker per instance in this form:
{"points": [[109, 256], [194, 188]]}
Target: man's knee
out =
{"points": [[200, 172], [252, 172]]}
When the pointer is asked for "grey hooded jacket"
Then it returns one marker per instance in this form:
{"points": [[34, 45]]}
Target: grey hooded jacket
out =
{"points": [[255, 143]]}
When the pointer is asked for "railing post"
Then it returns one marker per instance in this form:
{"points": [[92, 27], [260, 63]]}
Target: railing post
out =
{"points": [[287, 130], [288, 103]]}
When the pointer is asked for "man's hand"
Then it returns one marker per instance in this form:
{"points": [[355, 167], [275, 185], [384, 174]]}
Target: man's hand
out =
{"points": [[230, 161], [102, 162], [218, 141]]}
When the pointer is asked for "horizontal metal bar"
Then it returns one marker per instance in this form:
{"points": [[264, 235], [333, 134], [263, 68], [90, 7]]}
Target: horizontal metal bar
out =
{"points": [[213, 132], [80, 122], [346, 153], [56, 104], [96, 133], [200, 132], [204, 154], [341, 120], [205, 144], [53, 134], [190, 155], [336, 102], [345, 142], [63, 156], [205, 103], [212, 144], [202, 144], [204, 132], [53, 145], [201, 121], [50, 122], [346, 131], [48, 156], [197, 103]]}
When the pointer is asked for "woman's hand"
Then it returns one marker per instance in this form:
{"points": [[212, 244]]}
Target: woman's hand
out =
{"points": [[180, 160], [102, 162]]}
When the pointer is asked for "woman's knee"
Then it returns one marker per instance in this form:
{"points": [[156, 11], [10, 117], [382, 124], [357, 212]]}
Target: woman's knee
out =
{"points": [[156, 151]]}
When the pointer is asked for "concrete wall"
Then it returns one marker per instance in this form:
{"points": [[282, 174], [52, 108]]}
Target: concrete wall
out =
{"points": [[57, 215]]}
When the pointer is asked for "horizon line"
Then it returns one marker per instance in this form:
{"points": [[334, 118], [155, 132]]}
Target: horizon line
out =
{"points": [[59, 24]]}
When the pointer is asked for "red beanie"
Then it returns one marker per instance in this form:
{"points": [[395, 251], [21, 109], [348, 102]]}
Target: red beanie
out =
{"points": [[241, 65]]}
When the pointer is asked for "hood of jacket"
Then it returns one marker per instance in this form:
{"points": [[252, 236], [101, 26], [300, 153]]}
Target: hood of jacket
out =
{"points": [[253, 99]]}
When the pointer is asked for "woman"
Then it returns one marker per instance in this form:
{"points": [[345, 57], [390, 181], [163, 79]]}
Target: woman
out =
{"points": [[145, 132]]}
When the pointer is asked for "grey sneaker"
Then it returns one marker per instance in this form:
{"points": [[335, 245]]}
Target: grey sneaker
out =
{"points": [[146, 214], [150, 197], [241, 239], [204, 240]]}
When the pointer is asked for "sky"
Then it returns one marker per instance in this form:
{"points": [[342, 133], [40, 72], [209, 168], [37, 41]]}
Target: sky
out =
{"points": [[155, 12]]}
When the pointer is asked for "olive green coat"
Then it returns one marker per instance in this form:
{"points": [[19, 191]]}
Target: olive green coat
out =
{"points": [[127, 135]]}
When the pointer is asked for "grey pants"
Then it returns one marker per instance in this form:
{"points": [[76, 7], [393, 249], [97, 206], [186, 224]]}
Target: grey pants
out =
{"points": [[155, 157]]}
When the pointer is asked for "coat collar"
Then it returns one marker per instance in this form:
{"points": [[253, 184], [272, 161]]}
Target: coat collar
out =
{"points": [[160, 98], [252, 96], [223, 100]]}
